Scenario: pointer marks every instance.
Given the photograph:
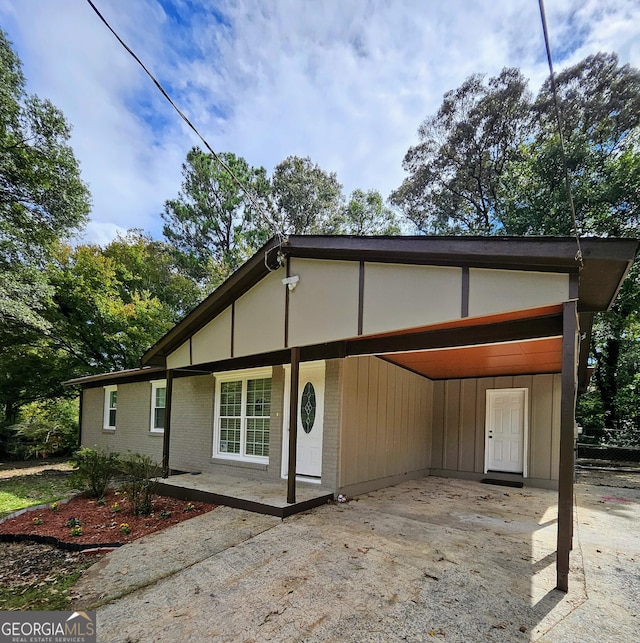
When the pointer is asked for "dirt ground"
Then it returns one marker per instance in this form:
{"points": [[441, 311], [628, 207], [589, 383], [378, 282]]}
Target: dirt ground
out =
{"points": [[432, 559]]}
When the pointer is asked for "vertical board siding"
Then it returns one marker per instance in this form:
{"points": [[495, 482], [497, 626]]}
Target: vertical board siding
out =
{"points": [[386, 421], [555, 424], [451, 426], [349, 415], [541, 404], [466, 456], [438, 425], [459, 416]]}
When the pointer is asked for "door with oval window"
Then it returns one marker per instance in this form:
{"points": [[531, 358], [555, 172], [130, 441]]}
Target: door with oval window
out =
{"points": [[310, 424]]}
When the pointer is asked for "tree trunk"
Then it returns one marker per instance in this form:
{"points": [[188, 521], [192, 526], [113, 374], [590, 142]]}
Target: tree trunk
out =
{"points": [[607, 383]]}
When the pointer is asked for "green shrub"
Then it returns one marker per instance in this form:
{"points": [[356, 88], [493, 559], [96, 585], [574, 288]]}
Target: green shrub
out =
{"points": [[94, 469], [141, 479], [44, 429]]}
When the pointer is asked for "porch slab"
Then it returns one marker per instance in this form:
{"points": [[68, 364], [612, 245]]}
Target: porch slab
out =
{"points": [[260, 496]]}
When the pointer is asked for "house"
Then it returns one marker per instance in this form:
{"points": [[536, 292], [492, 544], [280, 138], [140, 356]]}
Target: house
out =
{"points": [[400, 357]]}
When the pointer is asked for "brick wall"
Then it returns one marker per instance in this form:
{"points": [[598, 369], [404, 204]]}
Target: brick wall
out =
{"points": [[133, 421]]}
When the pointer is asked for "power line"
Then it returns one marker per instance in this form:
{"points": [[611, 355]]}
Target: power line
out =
{"points": [[554, 91], [216, 156]]}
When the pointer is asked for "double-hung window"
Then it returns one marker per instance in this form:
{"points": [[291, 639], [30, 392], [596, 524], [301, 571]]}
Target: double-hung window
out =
{"points": [[110, 407], [243, 415], [158, 404]]}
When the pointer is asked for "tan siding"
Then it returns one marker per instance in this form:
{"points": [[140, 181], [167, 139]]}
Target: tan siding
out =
{"points": [[213, 342], [362, 429], [459, 416], [541, 404], [324, 304], [437, 443], [452, 420], [259, 317], [466, 455], [496, 291], [349, 418], [386, 422], [180, 357], [399, 296], [555, 423], [481, 411]]}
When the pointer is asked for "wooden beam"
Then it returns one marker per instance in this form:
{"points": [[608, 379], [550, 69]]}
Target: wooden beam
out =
{"points": [[465, 292], [167, 424], [360, 297], [506, 331], [293, 424], [567, 443]]}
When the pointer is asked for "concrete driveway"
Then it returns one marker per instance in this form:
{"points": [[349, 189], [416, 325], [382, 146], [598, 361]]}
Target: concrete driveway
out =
{"points": [[433, 559]]}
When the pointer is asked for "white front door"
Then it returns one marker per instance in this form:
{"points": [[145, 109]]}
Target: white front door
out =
{"points": [[506, 429], [310, 420]]}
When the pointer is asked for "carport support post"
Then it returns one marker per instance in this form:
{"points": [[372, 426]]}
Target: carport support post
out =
{"points": [[567, 438], [293, 424], [167, 424]]}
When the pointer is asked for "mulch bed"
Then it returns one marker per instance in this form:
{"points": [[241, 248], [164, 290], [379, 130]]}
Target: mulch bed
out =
{"points": [[100, 525]]}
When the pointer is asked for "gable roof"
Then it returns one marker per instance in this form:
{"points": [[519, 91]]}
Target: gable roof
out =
{"points": [[606, 263]]}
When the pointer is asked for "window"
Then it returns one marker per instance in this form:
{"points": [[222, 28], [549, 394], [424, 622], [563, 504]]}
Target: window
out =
{"points": [[243, 415], [110, 406], [158, 404]]}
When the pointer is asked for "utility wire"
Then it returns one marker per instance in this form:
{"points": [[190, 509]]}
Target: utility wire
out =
{"points": [[579, 257], [230, 172]]}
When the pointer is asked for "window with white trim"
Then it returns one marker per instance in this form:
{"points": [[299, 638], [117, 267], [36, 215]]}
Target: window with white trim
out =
{"points": [[158, 404], [243, 415], [110, 407]]}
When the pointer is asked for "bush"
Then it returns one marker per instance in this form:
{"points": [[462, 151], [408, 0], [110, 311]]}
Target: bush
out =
{"points": [[141, 479], [94, 469], [44, 429]]}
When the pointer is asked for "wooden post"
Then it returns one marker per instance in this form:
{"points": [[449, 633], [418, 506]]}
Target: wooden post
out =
{"points": [[293, 424], [567, 440], [167, 424]]}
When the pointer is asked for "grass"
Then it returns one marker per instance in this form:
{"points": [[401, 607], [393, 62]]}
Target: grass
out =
{"points": [[45, 596], [20, 492]]}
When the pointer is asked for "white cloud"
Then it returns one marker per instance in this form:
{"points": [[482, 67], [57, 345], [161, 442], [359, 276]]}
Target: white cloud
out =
{"points": [[346, 83]]}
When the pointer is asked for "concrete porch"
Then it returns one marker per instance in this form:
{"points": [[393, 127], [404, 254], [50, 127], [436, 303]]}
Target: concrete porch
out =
{"points": [[260, 496]]}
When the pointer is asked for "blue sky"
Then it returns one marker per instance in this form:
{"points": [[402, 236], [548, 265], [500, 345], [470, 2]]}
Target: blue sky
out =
{"points": [[346, 83]]}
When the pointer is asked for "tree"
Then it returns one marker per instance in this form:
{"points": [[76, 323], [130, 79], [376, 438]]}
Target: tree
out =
{"points": [[490, 162], [42, 197], [366, 213], [599, 104], [102, 318], [305, 198], [42, 200], [455, 170], [143, 265], [209, 221]]}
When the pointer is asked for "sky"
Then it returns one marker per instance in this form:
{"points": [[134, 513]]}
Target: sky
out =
{"points": [[344, 82]]}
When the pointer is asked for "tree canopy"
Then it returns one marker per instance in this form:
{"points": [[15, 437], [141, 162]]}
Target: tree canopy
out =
{"points": [[490, 162]]}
